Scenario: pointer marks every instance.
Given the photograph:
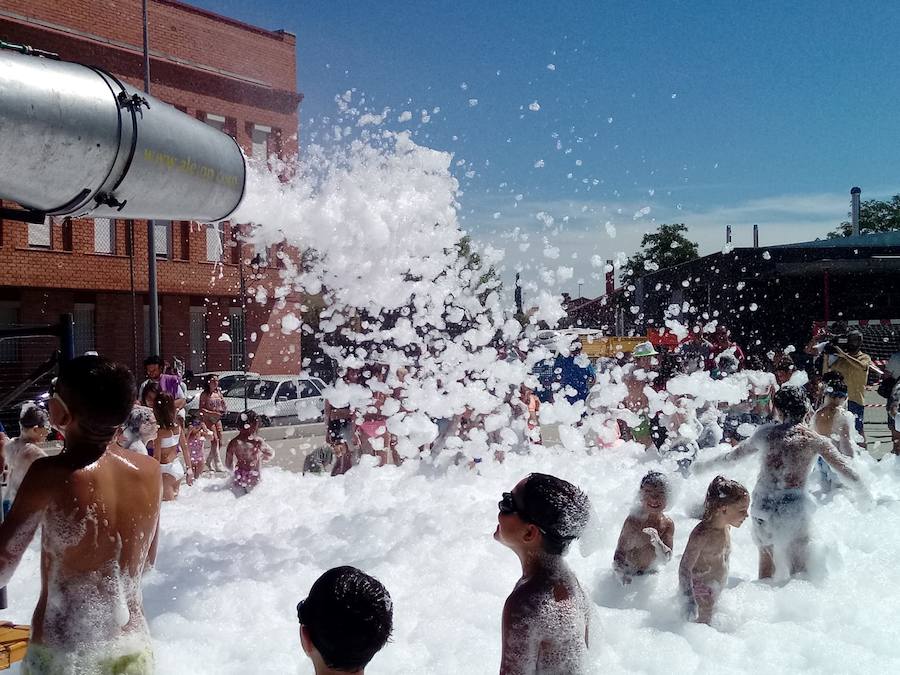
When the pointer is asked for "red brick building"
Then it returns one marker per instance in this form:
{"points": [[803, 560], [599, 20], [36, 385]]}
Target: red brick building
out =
{"points": [[236, 77]]}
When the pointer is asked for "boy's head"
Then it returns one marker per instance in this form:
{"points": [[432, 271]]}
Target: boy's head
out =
{"points": [[728, 364], [791, 404], [543, 513], [654, 493], [91, 398], [835, 392], [346, 619], [727, 498], [34, 423]]}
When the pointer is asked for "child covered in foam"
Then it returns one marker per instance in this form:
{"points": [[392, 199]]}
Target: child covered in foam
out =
{"points": [[98, 507], [647, 534], [245, 454], [19, 453], [704, 566], [546, 617], [781, 504]]}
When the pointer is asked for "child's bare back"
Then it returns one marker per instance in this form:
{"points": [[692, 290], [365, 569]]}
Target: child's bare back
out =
{"points": [[98, 524]]}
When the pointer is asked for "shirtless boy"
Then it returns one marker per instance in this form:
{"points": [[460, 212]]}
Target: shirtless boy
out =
{"points": [[546, 617], [780, 507], [704, 566], [245, 454], [98, 508], [19, 453], [647, 534]]}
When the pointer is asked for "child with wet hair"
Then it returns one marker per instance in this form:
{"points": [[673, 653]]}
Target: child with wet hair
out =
{"points": [[139, 429], [245, 454], [19, 453], [346, 619], [704, 565], [647, 534], [546, 617]]}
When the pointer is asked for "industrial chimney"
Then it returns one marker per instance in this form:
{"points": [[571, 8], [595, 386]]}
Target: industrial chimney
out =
{"points": [[728, 234], [610, 278], [755, 235], [854, 210]]}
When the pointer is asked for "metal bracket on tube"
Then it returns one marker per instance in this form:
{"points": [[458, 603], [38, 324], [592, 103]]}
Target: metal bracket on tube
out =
{"points": [[109, 200], [135, 101]]}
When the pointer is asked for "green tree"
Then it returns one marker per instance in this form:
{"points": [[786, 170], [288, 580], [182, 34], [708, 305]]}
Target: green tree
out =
{"points": [[874, 216], [666, 247]]}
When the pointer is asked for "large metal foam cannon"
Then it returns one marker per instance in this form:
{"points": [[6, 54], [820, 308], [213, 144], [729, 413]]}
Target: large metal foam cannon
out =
{"points": [[77, 141]]}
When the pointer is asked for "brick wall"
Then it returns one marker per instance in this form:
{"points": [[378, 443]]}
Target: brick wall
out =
{"points": [[202, 63]]}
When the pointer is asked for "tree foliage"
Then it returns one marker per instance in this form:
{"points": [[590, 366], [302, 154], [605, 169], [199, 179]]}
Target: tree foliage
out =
{"points": [[874, 216], [666, 247]]}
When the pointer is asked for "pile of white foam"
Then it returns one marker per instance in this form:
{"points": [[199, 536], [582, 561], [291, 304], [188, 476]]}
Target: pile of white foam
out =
{"points": [[230, 572]]}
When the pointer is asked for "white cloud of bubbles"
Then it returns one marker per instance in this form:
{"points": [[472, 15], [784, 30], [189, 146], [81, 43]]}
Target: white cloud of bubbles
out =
{"points": [[377, 218]]}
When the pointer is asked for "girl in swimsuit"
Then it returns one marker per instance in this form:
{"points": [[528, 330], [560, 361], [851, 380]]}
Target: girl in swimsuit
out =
{"points": [[169, 440], [198, 432], [212, 407]]}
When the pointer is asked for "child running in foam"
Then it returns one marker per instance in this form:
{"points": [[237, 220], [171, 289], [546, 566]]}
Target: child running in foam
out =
{"points": [[98, 508], [647, 534], [704, 565], [346, 619], [19, 453], [546, 617], [781, 504], [245, 454]]}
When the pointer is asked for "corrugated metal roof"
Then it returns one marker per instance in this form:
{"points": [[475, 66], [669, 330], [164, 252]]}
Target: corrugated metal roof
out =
{"points": [[859, 241]]}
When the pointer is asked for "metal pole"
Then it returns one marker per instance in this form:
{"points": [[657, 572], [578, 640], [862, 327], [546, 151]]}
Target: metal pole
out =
{"points": [[134, 347], [854, 210], [152, 294], [243, 291]]}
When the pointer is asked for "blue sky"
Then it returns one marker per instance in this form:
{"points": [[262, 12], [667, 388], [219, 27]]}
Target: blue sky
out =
{"points": [[706, 113]]}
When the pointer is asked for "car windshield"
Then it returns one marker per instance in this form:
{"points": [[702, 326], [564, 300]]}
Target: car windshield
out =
{"points": [[258, 390]]}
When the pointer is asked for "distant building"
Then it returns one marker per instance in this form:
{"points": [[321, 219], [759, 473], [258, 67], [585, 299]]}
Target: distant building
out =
{"points": [[233, 76]]}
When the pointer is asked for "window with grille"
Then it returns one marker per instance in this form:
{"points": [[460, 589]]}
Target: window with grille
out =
{"points": [[104, 235], [260, 140], [163, 238], [198, 339], [9, 318], [215, 242], [40, 234], [84, 327], [236, 333]]}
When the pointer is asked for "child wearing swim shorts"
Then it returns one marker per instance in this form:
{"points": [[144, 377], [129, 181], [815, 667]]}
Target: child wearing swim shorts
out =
{"points": [[704, 565], [246, 452]]}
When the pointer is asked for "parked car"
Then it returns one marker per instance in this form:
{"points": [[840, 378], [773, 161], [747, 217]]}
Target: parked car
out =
{"points": [[227, 379], [277, 399]]}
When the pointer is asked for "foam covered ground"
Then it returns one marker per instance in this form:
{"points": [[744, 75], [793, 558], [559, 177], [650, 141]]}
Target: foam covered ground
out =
{"points": [[230, 572]]}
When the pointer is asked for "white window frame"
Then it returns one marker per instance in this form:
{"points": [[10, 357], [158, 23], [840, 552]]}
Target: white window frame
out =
{"points": [[259, 139], [213, 253], [107, 227], [40, 235], [215, 121], [157, 228]]}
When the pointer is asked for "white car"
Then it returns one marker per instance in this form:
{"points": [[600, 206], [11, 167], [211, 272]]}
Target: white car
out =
{"points": [[277, 399], [227, 379]]}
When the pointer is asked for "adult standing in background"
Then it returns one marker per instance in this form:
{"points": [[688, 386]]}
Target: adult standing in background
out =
{"points": [[854, 365]]}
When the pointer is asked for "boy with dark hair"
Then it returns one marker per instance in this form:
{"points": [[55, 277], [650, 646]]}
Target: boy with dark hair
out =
{"points": [[647, 534], [346, 619], [20, 453], [98, 507], [546, 617], [780, 506]]}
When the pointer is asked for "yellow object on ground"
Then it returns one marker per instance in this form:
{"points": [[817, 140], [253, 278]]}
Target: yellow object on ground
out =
{"points": [[13, 643], [595, 346]]}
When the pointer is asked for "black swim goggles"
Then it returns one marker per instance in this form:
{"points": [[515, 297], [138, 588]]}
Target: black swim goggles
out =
{"points": [[508, 506]]}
